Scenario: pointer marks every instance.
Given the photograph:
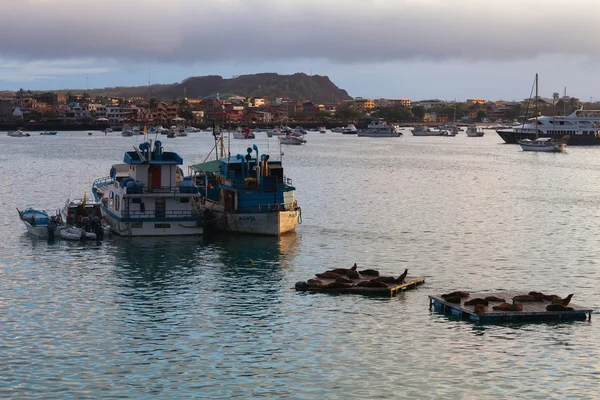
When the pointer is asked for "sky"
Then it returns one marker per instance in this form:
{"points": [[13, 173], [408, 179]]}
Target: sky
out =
{"points": [[419, 49]]}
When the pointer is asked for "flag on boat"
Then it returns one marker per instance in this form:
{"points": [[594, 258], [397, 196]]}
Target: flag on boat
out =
{"points": [[84, 200]]}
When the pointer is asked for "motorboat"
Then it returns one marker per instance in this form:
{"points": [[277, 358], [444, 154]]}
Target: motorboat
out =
{"points": [[192, 129], [48, 133], [72, 233], [243, 133], [379, 128], [248, 193], [148, 195], [292, 139], [473, 131], [545, 144], [424, 130], [127, 131], [18, 133], [39, 223], [322, 129], [350, 130]]}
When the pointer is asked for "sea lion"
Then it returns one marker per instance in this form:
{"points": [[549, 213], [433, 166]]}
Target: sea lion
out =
{"points": [[495, 299], [328, 275], [453, 299], [353, 275], [373, 284], [369, 272], [338, 285], [475, 302], [457, 293], [314, 281], [564, 302], [344, 271], [525, 298], [343, 279], [558, 307], [301, 285], [403, 276], [541, 296], [479, 309], [509, 307]]}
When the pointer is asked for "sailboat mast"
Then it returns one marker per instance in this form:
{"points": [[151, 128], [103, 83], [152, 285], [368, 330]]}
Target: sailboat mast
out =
{"points": [[536, 104]]}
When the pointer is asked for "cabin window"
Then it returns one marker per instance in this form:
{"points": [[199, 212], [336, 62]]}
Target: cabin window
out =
{"points": [[117, 203], [162, 226]]}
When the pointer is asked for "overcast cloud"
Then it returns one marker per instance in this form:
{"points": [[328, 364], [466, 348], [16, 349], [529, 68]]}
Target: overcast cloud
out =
{"points": [[337, 30]]}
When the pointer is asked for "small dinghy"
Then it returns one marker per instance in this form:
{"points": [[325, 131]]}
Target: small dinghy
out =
{"points": [[77, 234]]}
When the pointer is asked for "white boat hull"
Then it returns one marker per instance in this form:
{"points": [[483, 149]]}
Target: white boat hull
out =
{"points": [[153, 228], [554, 148], [432, 133], [378, 134], [266, 223], [77, 234], [42, 231]]}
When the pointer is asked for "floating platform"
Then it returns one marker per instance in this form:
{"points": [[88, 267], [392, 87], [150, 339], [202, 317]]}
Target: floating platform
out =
{"points": [[532, 311], [410, 282]]}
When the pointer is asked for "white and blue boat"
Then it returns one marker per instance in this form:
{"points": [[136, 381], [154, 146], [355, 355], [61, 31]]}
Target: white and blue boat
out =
{"points": [[247, 194], [41, 224], [149, 196]]}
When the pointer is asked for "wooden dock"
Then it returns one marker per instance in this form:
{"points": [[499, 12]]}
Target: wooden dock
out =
{"points": [[532, 311], [410, 282]]}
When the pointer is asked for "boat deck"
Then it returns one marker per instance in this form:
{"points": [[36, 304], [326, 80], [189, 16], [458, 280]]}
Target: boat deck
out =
{"points": [[532, 311], [410, 282]]}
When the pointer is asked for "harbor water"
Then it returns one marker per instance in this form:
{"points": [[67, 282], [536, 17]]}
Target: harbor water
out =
{"points": [[217, 316]]}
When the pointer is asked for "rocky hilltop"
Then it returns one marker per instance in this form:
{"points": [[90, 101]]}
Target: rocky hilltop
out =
{"points": [[298, 87]]}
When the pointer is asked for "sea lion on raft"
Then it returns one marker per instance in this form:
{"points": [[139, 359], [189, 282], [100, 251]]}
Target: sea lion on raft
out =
{"points": [[453, 299], [314, 283], [369, 272], [372, 284], [457, 293], [479, 309], [353, 275], [343, 279], [402, 277], [391, 279], [328, 275], [475, 302], [565, 302], [558, 307], [525, 298], [543, 297], [344, 271], [509, 307], [301, 285], [495, 299], [338, 285]]}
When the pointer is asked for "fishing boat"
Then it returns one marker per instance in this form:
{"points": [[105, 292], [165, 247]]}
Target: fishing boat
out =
{"points": [[247, 193], [41, 224], [292, 139], [380, 128], [85, 215], [473, 131], [148, 195]]}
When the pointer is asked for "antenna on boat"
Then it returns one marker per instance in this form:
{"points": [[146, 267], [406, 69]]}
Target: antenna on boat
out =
{"points": [[536, 105]]}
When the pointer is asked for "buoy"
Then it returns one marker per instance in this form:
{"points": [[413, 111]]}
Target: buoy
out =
{"points": [[250, 261]]}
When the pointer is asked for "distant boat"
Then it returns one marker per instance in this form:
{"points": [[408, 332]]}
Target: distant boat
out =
{"points": [[350, 130], [380, 128], [322, 129], [292, 139], [48, 133], [473, 131], [544, 145], [424, 130], [18, 133]]}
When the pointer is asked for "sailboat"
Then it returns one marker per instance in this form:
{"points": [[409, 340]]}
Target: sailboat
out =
{"points": [[546, 144]]}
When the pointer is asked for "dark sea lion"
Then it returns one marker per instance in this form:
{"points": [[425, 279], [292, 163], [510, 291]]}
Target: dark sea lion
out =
{"points": [[479, 309], [343, 279], [338, 285], [369, 272], [301, 285], [558, 307], [457, 293], [564, 302], [495, 299], [314, 281], [403, 276], [509, 307], [540, 296], [354, 267], [453, 299], [340, 271], [525, 298], [328, 275], [475, 302], [373, 284], [353, 275]]}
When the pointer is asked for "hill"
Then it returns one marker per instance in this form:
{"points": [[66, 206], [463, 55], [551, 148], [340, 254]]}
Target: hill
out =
{"points": [[298, 87]]}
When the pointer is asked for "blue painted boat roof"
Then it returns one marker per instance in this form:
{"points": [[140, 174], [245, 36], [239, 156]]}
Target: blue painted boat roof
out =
{"points": [[168, 158]]}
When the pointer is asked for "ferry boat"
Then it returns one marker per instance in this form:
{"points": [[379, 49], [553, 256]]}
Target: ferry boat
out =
{"points": [[582, 127], [380, 128], [247, 194], [148, 195]]}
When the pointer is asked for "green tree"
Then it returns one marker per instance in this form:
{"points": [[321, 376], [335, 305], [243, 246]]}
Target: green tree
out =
{"points": [[418, 112], [345, 112], [480, 115]]}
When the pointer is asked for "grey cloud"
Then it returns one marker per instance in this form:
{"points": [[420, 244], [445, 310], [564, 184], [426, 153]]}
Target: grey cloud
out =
{"points": [[349, 31]]}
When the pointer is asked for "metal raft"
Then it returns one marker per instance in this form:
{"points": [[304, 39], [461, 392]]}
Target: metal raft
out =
{"points": [[410, 282], [532, 311]]}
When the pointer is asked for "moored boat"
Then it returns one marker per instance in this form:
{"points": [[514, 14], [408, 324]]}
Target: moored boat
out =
{"points": [[424, 130], [39, 223], [48, 133], [380, 128], [544, 145], [248, 194], [18, 133], [292, 139], [473, 131], [72, 233], [243, 133], [148, 195], [350, 130]]}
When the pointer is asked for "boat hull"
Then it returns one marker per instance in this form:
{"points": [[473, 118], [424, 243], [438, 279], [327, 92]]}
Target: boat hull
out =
{"points": [[378, 134], [41, 231], [574, 139], [267, 223], [432, 133], [544, 149], [153, 228]]}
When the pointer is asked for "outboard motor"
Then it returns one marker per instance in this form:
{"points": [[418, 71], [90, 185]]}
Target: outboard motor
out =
{"points": [[51, 228], [86, 224], [97, 228]]}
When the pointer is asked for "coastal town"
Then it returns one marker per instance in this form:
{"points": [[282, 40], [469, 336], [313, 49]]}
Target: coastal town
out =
{"points": [[30, 110]]}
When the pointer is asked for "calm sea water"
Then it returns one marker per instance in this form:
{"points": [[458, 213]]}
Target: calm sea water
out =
{"points": [[192, 317]]}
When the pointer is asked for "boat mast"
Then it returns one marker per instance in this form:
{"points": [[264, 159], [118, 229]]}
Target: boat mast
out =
{"points": [[536, 104]]}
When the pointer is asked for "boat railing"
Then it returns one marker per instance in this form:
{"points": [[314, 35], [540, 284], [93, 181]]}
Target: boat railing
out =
{"points": [[107, 180], [278, 207]]}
